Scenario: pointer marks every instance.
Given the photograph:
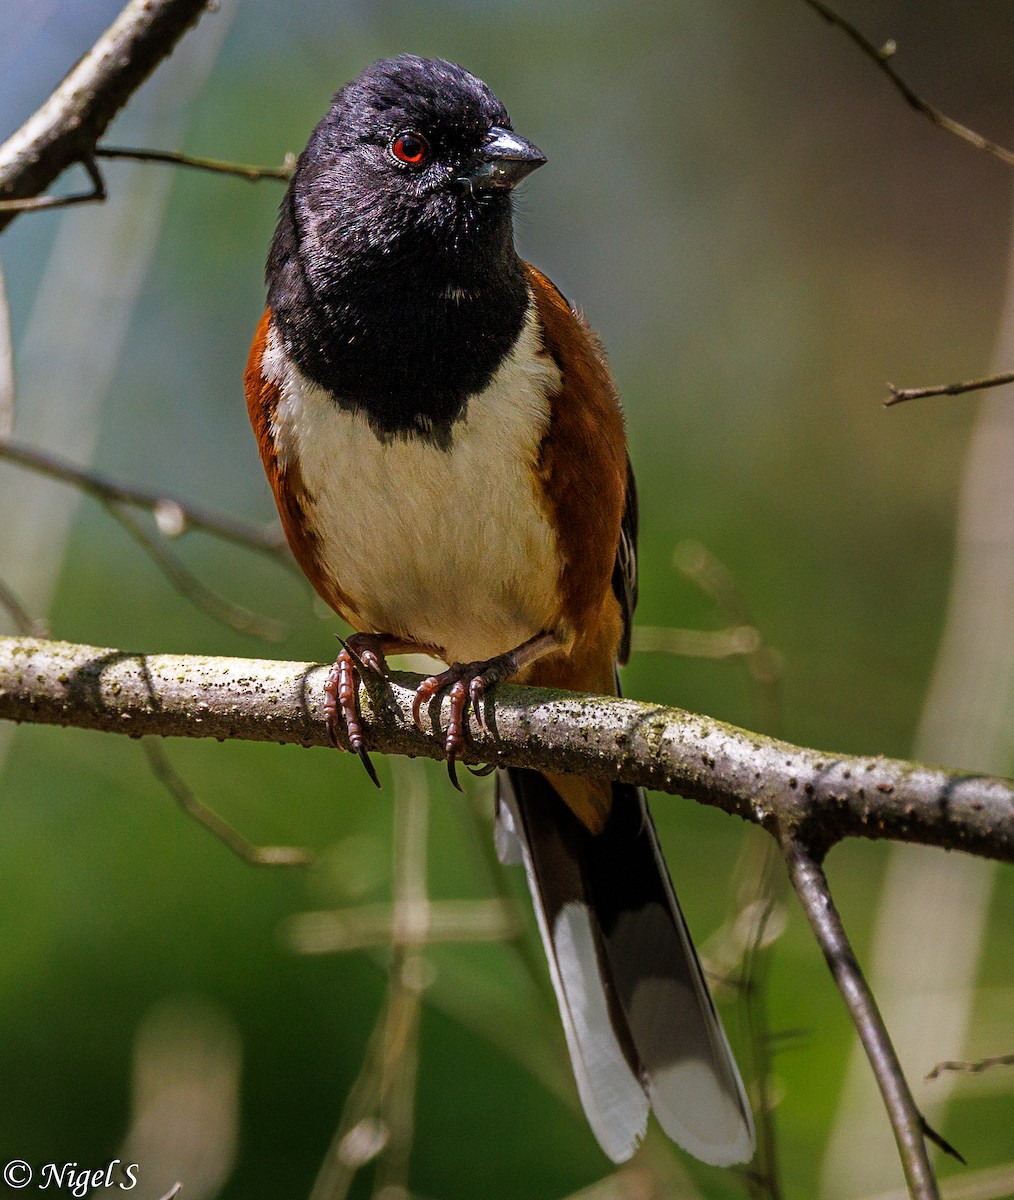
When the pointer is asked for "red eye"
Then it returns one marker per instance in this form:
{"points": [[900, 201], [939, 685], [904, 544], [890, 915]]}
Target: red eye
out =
{"points": [[410, 147]]}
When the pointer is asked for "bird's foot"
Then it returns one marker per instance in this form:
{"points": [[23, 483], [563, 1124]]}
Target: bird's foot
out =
{"points": [[465, 684], [361, 654]]}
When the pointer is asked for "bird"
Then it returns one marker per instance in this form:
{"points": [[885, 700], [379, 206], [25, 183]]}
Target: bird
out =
{"points": [[446, 448]]}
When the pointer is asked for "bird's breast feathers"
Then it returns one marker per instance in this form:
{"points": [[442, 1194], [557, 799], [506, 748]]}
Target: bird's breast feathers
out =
{"points": [[450, 547]]}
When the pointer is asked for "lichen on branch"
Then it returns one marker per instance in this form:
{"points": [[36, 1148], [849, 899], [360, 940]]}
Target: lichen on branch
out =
{"points": [[816, 797]]}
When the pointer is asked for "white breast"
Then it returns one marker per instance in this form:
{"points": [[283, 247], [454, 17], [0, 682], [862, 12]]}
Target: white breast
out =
{"points": [[449, 548]]}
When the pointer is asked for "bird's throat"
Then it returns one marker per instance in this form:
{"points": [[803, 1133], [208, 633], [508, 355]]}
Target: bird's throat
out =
{"points": [[407, 351]]}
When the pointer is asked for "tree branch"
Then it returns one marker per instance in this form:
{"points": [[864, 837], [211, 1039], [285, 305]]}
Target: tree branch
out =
{"points": [[173, 516], [23, 620], [811, 886], [806, 799], [899, 395], [881, 57], [814, 798], [243, 848], [67, 127], [7, 383], [191, 588], [174, 158], [971, 1068]]}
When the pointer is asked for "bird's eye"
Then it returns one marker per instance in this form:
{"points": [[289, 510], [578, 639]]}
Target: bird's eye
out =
{"points": [[410, 147]]}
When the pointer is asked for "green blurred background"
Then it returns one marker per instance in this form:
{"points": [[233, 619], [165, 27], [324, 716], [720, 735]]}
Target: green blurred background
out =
{"points": [[763, 234]]}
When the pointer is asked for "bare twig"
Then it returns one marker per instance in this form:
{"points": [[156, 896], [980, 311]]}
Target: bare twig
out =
{"points": [[379, 1115], [792, 791], [899, 395], [992, 1183], [38, 203], [343, 930], [173, 1192], [696, 563], [756, 924], [735, 642], [256, 856], [167, 509], [66, 129], [811, 885], [198, 593], [530, 960], [7, 385], [972, 1068], [881, 57], [408, 977], [762, 904], [24, 622], [176, 159], [360, 1137]]}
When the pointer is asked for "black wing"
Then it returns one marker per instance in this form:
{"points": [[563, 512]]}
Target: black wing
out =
{"points": [[625, 568]]}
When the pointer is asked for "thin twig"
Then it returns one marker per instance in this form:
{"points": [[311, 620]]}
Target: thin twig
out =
{"points": [[757, 864], [765, 1175], [359, 1137], [899, 395], [992, 1183], [881, 57], [972, 1068], [408, 977], [811, 885], [176, 159], [264, 540], [7, 384], [256, 856], [695, 562], [173, 1192], [66, 129], [479, 832], [790, 790], [735, 642], [379, 1113], [37, 203], [188, 585], [24, 622], [366, 926]]}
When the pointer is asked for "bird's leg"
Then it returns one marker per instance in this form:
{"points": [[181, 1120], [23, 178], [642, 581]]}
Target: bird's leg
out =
{"points": [[466, 683]]}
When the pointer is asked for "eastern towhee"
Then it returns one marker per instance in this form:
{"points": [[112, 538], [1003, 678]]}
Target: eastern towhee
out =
{"points": [[445, 445]]}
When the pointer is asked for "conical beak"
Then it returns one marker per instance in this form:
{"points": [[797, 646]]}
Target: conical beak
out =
{"points": [[504, 160]]}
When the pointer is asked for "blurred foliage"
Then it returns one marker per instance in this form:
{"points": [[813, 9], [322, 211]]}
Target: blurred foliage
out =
{"points": [[763, 234]]}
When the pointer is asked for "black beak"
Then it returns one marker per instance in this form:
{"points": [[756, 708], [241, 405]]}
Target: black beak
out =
{"points": [[504, 160]]}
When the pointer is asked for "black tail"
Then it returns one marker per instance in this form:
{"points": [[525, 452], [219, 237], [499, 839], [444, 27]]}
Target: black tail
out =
{"points": [[640, 1022]]}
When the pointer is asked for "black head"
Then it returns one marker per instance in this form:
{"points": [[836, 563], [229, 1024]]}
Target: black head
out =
{"points": [[392, 273]]}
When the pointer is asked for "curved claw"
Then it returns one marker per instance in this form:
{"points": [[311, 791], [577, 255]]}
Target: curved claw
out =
{"points": [[367, 659], [424, 693], [466, 685], [452, 772], [340, 700], [477, 693], [349, 650], [364, 758], [481, 772]]}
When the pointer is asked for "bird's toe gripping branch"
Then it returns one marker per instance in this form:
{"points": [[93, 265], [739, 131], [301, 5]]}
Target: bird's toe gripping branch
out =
{"points": [[361, 654], [466, 684]]}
